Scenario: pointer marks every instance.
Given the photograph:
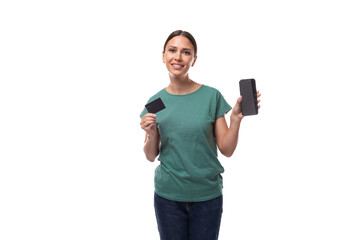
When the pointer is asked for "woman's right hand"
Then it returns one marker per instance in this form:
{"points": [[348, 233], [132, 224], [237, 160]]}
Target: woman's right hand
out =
{"points": [[148, 123]]}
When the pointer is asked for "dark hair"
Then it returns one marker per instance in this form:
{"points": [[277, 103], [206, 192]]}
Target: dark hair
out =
{"points": [[184, 34]]}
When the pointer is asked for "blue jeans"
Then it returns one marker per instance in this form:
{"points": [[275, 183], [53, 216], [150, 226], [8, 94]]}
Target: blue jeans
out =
{"points": [[188, 220]]}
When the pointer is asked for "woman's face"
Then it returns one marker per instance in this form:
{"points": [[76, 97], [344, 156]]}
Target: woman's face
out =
{"points": [[179, 56]]}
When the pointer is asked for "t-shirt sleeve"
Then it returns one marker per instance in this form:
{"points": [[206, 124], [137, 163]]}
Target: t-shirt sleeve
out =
{"points": [[222, 107], [144, 111]]}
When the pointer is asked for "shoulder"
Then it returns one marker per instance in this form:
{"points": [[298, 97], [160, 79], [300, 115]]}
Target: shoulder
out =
{"points": [[212, 91], [152, 98], [157, 95], [216, 96], [209, 88]]}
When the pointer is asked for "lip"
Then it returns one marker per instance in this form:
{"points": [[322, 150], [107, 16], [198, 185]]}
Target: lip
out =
{"points": [[177, 66]]}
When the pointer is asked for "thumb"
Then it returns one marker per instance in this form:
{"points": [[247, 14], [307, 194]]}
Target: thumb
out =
{"points": [[238, 104], [239, 100]]}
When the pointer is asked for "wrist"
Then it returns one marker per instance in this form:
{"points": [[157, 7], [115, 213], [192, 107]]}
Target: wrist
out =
{"points": [[153, 136]]}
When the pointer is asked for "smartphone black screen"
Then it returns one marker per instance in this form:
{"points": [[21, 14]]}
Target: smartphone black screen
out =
{"points": [[249, 104]]}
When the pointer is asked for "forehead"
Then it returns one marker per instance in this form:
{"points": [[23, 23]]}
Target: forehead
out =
{"points": [[180, 42]]}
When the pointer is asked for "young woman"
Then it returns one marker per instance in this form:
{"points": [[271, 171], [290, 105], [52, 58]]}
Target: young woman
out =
{"points": [[186, 135]]}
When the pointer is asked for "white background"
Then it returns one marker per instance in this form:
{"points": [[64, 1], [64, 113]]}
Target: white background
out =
{"points": [[75, 75]]}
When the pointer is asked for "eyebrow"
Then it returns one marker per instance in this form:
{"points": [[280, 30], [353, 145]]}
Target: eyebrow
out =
{"points": [[183, 48]]}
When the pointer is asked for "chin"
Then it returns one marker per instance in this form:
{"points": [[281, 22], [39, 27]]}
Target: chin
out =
{"points": [[176, 75]]}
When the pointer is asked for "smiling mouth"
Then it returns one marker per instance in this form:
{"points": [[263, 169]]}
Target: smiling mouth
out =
{"points": [[177, 66]]}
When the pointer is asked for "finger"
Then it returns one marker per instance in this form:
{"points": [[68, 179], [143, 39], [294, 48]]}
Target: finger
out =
{"points": [[147, 129], [259, 106], [148, 115], [238, 101], [237, 107], [149, 118], [150, 121], [258, 100], [150, 129], [147, 124]]}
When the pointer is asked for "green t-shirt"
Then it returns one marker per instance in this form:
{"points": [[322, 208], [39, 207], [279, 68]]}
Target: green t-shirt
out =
{"points": [[190, 170]]}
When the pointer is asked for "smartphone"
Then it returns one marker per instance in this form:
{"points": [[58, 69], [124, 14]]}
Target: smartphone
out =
{"points": [[249, 105]]}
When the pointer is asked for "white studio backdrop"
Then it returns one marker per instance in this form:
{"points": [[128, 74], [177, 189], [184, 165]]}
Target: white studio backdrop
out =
{"points": [[75, 75]]}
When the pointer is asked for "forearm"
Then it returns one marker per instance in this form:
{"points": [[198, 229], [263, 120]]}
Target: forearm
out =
{"points": [[151, 147], [230, 139]]}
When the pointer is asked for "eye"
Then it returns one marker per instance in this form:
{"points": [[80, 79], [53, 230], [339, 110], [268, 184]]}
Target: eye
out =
{"points": [[171, 50], [187, 53]]}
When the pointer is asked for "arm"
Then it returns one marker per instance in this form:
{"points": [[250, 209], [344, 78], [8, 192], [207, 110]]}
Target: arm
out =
{"points": [[152, 138], [227, 138]]}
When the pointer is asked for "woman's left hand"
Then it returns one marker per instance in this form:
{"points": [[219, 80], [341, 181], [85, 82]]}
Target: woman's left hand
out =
{"points": [[237, 113]]}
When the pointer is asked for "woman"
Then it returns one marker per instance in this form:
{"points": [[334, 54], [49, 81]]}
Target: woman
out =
{"points": [[186, 135]]}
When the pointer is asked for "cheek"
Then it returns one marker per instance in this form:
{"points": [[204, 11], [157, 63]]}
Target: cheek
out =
{"points": [[191, 62], [166, 58]]}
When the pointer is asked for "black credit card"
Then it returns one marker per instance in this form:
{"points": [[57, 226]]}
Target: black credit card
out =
{"points": [[249, 105], [155, 106]]}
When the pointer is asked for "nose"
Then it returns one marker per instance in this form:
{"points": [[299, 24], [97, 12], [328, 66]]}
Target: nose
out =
{"points": [[178, 56]]}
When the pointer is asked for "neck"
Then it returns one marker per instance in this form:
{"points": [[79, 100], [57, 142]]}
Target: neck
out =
{"points": [[181, 85]]}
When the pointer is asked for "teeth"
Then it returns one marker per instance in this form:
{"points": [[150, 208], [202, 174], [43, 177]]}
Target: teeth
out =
{"points": [[177, 65]]}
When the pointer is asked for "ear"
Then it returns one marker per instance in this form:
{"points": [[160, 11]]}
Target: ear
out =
{"points": [[193, 63], [163, 57]]}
